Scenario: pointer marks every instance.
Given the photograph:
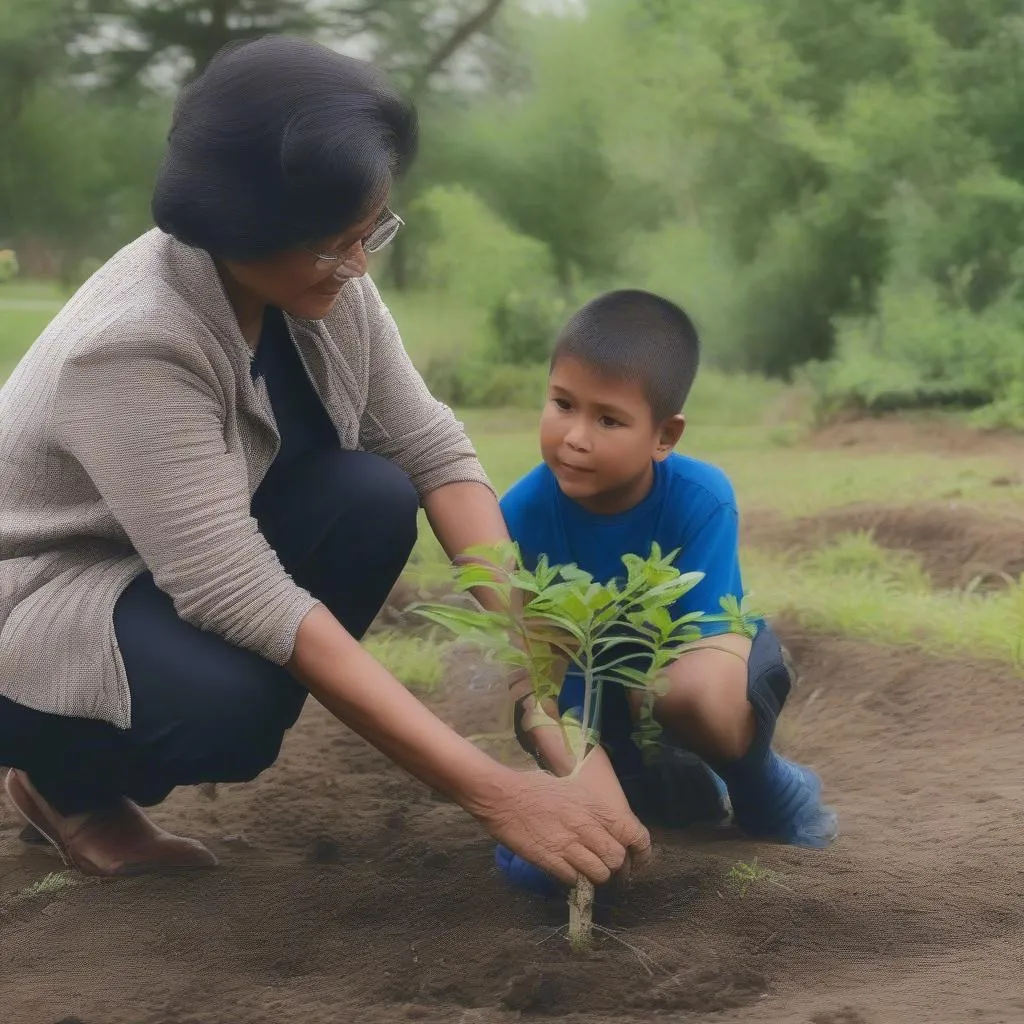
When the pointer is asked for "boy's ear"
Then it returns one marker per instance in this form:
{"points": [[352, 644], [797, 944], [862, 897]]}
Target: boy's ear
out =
{"points": [[669, 434]]}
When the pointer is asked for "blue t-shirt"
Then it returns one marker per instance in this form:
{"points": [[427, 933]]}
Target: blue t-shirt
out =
{"points": [[691, 507]]}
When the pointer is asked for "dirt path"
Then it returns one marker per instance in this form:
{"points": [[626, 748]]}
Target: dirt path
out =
{"points": [[349, 894]]}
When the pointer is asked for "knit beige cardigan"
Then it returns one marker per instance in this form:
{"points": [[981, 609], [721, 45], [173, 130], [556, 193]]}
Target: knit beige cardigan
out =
{"points": [[132, 437]]}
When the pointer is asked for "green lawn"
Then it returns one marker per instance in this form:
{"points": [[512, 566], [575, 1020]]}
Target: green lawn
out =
{"points": [[18, 329]]}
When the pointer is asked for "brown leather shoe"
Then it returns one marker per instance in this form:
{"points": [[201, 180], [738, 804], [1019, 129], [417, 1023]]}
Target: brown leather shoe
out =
{"points": [[119, 840]]}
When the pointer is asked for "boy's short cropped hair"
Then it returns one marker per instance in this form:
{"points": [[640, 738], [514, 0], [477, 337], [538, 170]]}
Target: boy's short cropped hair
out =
{"points": [[637, 336]]}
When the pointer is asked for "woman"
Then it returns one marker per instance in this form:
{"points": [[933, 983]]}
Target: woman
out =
{"points": [[210, 468]]}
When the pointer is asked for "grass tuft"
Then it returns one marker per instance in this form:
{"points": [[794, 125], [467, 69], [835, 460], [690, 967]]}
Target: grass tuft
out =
{"points": [[416, 661]]}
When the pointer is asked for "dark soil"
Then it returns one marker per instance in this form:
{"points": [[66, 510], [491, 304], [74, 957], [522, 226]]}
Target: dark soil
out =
{"points": [[349, 893], [931, 434], [957, 546]]}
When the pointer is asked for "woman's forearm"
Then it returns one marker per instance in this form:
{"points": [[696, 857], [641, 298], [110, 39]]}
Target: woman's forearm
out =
{"points": [[464, 516], [357, 689]]}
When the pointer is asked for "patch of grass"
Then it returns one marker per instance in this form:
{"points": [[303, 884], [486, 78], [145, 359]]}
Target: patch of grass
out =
{"points": [[18, 329], [858, 605], [856, 554], [415, 661], [798, 481], [744, 876], [56, 881], [35, 289]]}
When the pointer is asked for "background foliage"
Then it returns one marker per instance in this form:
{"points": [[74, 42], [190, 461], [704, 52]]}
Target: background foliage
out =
{"points": [[834, 188]]}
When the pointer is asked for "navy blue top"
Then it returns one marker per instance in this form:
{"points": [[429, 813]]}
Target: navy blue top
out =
{"points": [[305, 428], [302, 421]]}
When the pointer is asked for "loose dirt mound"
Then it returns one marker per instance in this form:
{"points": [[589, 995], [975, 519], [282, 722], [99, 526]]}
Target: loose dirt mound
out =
{"points": [[955, 544], [348, 893], [912, 434]]}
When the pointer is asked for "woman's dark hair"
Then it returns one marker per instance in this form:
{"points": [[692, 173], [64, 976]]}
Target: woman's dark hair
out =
{"points": [[278, 142]]}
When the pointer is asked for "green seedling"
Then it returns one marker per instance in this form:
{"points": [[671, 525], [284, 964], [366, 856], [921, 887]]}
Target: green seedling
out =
{"points": [[743, 876], [542, 621], [56, 881]]}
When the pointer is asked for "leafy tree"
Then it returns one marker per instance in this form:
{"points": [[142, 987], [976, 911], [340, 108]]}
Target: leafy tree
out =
{"points": [[128, 39]]}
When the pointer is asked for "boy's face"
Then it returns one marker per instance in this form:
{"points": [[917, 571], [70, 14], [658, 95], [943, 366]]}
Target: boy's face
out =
{"points": [[599, 437]]}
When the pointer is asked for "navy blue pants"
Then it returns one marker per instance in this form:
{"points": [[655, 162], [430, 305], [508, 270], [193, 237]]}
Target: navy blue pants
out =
{"points": [[204, 710]]}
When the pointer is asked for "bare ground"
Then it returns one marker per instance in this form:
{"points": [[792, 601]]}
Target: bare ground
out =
{"points": [[929, 434], [957, 545], [347, 892]]}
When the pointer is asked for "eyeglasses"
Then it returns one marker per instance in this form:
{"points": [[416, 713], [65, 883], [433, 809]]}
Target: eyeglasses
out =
{"points": [[381, 234]]}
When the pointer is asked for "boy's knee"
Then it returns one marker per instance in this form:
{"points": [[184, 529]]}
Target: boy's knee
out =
{"points": [[712, 717]]}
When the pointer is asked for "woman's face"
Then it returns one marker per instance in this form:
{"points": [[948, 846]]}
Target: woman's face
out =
{"points": [[300, 283]]}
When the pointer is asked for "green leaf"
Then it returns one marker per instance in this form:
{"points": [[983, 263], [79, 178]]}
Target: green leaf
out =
{"points": [[669, 591], [737, 615], [682, 635], [461, 620], [523, 580], [632, 677], [572, 573]]}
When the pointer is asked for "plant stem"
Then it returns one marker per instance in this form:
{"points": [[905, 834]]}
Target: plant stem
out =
{"points": [[581, 915], [581, 898], [587, 664]]}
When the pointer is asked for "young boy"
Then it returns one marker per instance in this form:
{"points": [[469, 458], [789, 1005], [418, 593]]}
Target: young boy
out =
{"points": [[611, 484]]}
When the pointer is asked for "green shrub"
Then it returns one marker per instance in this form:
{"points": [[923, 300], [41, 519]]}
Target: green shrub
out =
{"points": [[8, 265], [467, 252], [474, 383], [525, 325], [920, 352]]}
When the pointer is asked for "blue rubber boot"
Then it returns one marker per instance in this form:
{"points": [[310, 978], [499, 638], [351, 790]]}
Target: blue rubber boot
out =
{"points": [[773, 798], [523, 875]]}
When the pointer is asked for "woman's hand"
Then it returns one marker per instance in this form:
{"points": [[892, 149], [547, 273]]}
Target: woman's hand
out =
{"points": [[564, 826], [559, 825]]}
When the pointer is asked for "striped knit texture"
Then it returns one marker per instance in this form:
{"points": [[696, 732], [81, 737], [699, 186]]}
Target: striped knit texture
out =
{"points": [[132, 437]]}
